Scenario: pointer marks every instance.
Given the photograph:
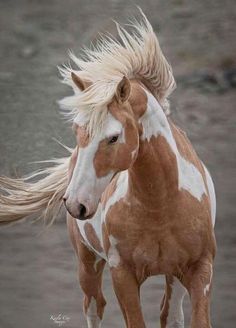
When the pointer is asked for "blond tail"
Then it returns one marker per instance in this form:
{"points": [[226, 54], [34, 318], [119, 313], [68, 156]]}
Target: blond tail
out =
{"points": [[20, 198]]}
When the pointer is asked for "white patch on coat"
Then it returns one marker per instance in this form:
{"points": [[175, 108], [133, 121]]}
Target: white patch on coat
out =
{"points": [[95, 221], [113, 254], [207, 287], [93, 319], [190, 178], [119, 193], [175, 317], [100, 215], [212, 195], [155, 123]]}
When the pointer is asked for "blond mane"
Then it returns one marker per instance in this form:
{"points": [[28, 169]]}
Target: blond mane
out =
{"points": [[137, 56]]}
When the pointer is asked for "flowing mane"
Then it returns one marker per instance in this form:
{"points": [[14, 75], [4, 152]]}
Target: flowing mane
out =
{"points": [[137, 56]]}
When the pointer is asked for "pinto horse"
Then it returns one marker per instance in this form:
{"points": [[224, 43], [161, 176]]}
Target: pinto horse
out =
{"points": [[138, 197], [141, 199]]}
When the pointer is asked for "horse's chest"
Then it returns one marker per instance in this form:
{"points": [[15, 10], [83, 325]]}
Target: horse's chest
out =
{"points": [[153, 254], [91, 233]]}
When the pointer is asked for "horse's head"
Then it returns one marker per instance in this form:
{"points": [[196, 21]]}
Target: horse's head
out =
{"points": [[111, 150]]}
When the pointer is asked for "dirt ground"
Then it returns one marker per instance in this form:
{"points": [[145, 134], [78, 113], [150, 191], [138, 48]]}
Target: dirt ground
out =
{"points": [[38, 269]]}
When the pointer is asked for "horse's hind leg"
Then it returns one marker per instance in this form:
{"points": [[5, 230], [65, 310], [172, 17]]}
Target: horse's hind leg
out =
{"points": [[90, 277], [172, 315]]}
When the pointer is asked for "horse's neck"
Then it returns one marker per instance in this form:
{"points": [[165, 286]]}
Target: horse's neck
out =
{"points": [[155, 171]]}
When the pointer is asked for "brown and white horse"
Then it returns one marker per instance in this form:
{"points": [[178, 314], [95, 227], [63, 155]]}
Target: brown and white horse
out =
{"points": [[138, 196], [156, 214], [142, 201]]}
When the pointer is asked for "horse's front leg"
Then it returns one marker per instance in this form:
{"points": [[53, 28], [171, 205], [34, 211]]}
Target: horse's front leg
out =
{"points": [[172, 315], [90, 277], [127, 288], [198, 281]]}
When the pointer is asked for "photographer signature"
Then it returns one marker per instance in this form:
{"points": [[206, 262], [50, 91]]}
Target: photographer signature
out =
{"points": [[59, 319]]}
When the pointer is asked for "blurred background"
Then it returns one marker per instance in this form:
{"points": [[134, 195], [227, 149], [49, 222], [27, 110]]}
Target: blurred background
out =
{"points": [[38, 268]]}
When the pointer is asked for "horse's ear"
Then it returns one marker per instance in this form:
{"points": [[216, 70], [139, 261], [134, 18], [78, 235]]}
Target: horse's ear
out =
{"points": [[78, 81], [123, 89]]}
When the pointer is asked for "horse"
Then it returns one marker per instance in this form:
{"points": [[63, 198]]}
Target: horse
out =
{"points": [[137, 196]]}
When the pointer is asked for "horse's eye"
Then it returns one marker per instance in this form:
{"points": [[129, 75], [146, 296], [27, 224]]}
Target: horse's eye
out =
{"points": [[113, 140]]}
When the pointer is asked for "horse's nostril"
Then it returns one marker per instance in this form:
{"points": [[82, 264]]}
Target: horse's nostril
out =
{"points": [[82, 210]]}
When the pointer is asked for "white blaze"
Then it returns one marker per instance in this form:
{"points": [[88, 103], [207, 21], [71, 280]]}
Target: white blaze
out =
{"points": [[85, 187]]}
